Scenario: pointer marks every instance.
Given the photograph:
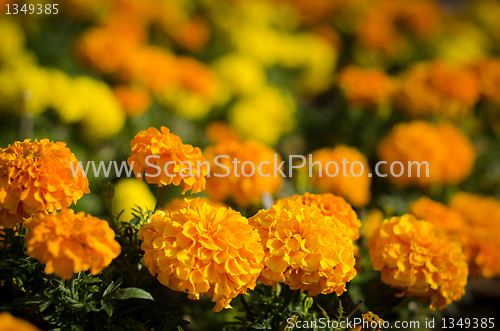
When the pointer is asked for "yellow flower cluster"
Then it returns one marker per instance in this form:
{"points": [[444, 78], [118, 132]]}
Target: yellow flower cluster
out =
{"points": [[203, 250], [37, 177], [172, 161], [483, 229], [439, 89], [68, 243], [366, 87], [415, 257], [356, 190], [332, 206], [304, 249], [420, 141], [243, 189], [11, 323], [130, 194]]}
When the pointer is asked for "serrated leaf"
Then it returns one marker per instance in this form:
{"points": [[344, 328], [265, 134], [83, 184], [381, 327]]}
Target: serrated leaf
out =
{"points": [[130, 293], [113, 286]]}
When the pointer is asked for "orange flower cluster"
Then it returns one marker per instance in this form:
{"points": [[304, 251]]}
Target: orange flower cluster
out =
{"points": [[439, 89], [332, 206], [415, 257], [177, 204], [203, 250], [488, 72], [166, 160], [135, 101], [449, 153], [37, 177], [482, 215], [68, 243], [366, 87], [304, 249], [244, 189], [356, 190]]}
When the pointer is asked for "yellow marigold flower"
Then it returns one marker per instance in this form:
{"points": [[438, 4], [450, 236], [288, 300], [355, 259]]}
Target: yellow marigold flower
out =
{"points": [[436, 88], [135, 101], [243, 183], [265, 116], [366, 87], [166, 160], [68, 243], [482, 215], [420, 141], [304, 249], [11, 323], [330, 205], [177, 204], [356, 190], [371, 322], [203, 250], [488, 72], [37, 177], [415, 257], [130, 193]]}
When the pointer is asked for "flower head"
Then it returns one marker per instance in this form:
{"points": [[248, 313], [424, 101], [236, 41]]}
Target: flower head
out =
{"points": [[304, 249], [429, 148], [488, 73], [330, 205], [355, 189], [68, 243], [11, 323], [177, 204], [415, 257], [130, 194], [366, 87], [246, 183], [166, 160], [203, 250], [481, 233], [37, 177]]}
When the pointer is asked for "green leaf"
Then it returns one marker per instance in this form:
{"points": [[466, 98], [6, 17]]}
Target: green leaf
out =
{"points": [[108, 307], [23, 301], [130, 293], [113, 286], [44, 305]]}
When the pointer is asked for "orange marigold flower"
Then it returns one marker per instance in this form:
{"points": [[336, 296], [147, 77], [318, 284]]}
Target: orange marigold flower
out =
{"points": [[243, 183], [488, 72], [68, 243], [304, 249], [220, 132], [37, 177], [135, 101], [339, 179], [371, 222], [366, 87], [435, 88], [420, 141], [177, 204], [166, 160], [11, 323], [330, 205], [203, 250], [482, 215], [415, 257]]}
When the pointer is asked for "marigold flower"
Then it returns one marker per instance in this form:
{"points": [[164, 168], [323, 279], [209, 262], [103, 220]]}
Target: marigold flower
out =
{"points": [[177, 204], [483, 230], [304, 249], [130, 194], [420, 141], [11, 323], [166, 160], [37, 177], [135, 101], [203, 250], [415, 257], [435, 88], [241, 185], [371, 222], [68, 243], [330, 205], [366, 87], [488, 72], [356, 190]]}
